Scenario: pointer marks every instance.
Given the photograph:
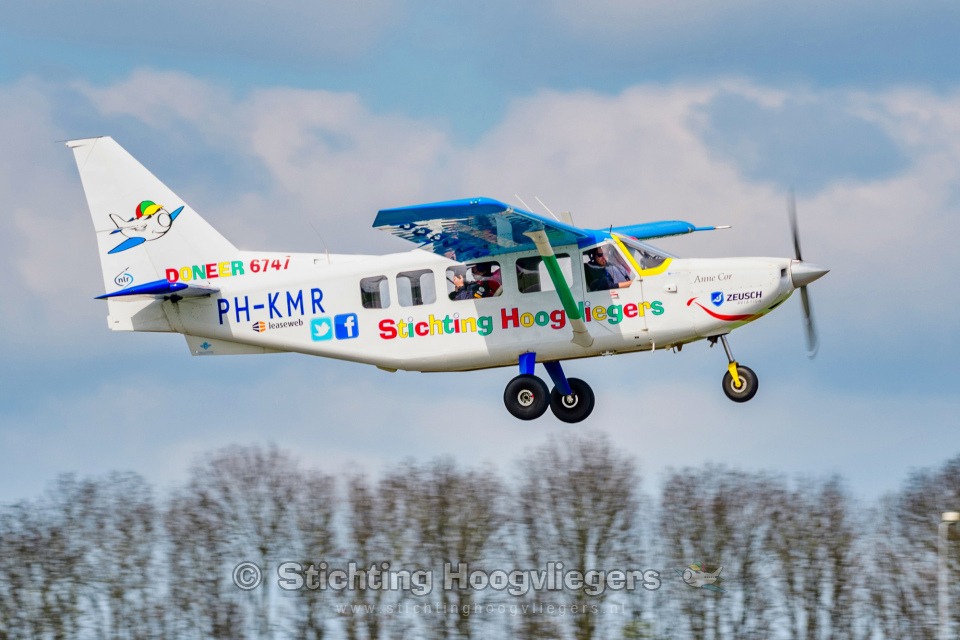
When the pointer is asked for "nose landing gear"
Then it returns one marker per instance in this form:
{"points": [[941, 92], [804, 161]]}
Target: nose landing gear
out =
{"points": [[740, 383], [526, 396]]}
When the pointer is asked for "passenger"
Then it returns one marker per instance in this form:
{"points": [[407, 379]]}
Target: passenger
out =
{"points": [[461, 289], [489, 282], [607, 274]]}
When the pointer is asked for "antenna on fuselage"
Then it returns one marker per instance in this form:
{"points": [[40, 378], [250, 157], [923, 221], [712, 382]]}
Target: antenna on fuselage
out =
{"points": [[322, 241]]}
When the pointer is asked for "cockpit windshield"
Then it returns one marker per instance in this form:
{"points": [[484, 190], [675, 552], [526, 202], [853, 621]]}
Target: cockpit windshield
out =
{"points": [[647, 256]]}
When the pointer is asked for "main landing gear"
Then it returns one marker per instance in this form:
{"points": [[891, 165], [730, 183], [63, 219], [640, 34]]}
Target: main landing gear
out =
{"points": [[527, 396], [740, 383]]}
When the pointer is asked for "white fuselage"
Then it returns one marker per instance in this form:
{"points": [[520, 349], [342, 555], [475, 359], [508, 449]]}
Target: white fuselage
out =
{"points": [[313, 304]]}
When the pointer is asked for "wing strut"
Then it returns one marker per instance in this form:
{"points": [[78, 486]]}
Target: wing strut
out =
{"points": [[581, 336]]}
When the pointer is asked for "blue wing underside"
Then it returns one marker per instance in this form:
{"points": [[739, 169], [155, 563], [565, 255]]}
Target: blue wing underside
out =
{"points": [[477, 227], [474, 228]]}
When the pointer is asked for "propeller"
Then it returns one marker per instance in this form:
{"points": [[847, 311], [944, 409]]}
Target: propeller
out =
{"points": [[803, 273]]}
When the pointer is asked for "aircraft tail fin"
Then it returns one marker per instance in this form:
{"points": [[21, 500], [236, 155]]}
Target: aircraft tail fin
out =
{"points": [[142, 226]]}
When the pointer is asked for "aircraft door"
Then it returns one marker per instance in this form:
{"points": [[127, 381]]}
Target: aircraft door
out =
{"points": [[612, 291]]}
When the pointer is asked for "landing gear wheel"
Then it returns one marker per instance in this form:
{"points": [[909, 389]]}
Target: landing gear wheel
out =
{"points": [[526, 397], [575, 407], [748, 384]]}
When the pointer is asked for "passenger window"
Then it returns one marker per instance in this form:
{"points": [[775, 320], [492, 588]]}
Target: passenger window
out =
{"points": [[532, 274], [416, 288], [375, 292], [478, 280]]}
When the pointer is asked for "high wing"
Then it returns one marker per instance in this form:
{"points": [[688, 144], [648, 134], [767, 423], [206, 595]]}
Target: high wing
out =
{"points": [[474, 228], [477, 227]]}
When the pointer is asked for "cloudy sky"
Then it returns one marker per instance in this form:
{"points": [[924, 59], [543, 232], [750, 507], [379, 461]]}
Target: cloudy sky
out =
{"points": [[274, 119]]}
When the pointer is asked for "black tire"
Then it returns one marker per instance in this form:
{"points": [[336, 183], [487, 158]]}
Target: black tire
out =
{"points": [[575, 407], [749, 384], [526, 397]]}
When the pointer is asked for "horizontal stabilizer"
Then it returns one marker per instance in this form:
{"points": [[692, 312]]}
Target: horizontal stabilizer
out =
{"points": [[161, 288]]}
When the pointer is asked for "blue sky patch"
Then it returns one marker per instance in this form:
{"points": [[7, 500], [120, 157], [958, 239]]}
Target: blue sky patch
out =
{"points": [[801, 144]]}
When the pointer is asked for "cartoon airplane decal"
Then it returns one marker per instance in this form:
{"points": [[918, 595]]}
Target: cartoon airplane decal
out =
{"points": [[488, 285], [697, 576], [151, 221]]}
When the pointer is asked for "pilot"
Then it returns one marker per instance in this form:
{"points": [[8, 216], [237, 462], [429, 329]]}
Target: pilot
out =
{"points": [[609, 275]]}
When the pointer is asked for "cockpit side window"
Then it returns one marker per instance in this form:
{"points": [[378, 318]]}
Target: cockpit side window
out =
{"points": [[604, 268]]}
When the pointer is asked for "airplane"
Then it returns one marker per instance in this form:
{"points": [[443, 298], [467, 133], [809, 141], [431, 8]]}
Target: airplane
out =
{"points": [[697, 576], [151, 221], [487, 285]]}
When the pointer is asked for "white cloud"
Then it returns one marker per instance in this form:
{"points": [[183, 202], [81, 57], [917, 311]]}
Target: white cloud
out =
{"points": [[635, 156]]}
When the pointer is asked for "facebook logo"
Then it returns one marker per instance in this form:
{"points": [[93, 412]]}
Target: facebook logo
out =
{"points": [[346, 326]]}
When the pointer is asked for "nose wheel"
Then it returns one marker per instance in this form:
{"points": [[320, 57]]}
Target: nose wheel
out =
{"points": [[747, 387], [740, 383]]}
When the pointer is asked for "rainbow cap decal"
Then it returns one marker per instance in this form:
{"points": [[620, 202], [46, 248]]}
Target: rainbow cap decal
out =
{"points": [[147, 208]]}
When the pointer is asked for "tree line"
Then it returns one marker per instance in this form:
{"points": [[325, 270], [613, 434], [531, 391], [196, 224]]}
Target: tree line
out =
{"points": [[542, 549]]}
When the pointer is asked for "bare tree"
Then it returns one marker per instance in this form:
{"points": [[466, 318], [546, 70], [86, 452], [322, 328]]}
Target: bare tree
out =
{"points": [[207, 605], [42, 566], [904, 601], [238, 506], [815, 559], [717, 517], [577, 505], [89, 559], [314, 509], [454, 516], [124, 563], [78, 561], [378, 535]]}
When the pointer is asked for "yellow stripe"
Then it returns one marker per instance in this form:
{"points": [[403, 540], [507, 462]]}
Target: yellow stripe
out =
{"points": [[655, 271]]}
